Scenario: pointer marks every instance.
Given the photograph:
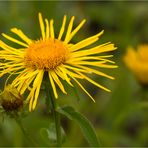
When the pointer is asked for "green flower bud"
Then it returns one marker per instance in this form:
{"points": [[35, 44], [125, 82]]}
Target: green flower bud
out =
{"points": [[11, 100]]}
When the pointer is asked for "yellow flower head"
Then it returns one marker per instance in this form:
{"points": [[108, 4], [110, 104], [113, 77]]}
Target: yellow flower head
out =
{"points": [[137, 62], [55, 56]]}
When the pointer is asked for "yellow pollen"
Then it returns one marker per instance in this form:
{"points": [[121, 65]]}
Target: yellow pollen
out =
{"points": [[46, 54]]}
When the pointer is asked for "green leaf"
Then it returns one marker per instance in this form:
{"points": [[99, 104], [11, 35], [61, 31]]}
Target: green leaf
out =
{"points": [[49, 134], [86, 127]]}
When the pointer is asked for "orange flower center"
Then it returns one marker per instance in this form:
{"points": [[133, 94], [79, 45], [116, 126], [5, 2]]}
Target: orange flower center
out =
{"points": [[46, 54]]}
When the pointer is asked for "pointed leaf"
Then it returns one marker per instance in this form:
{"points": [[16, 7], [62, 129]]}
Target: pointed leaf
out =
{"points": [[86, 127]]}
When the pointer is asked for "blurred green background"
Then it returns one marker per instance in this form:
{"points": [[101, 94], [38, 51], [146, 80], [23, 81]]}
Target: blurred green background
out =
{"points": [[120, 118]]}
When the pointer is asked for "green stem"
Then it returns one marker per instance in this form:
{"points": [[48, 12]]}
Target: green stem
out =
{"points": [[53, 107], [19, 122]]}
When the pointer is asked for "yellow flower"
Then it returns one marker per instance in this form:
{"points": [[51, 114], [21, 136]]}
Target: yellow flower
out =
{"points": [[54, 55], [137, 62]]}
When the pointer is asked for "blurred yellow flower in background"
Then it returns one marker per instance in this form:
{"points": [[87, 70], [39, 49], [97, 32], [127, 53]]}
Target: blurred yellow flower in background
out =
{"points": [[137, 62], [59, 58]]}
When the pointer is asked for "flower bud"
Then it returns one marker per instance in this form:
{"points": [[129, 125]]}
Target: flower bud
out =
{"points": [[11, 100]]}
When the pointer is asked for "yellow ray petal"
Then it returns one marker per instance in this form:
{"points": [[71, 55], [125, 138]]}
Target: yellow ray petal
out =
{"points": [[30, 95], [29, 73], [69, 29], [16, 80], [69, 45], [51, 29], [76, 30], [83, 88], [37, 89], [10, 56], [106, 56], [91, 70], [109, 61], [21, 35], [18, 83], [73, 68], [62, 74], [62, 28], [92, 51], [89, 59], [53, 85], [70, 73], [10, 70], [42, 26], [107, 66], [97, 64], [86, 42], [39, 75], [31, 100], [95, 83], [21, 84], [107, 48], [58, 82], [25, 80], [26, 84], [14, 40], [47, 28], [33, 95], [12, 64]]}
